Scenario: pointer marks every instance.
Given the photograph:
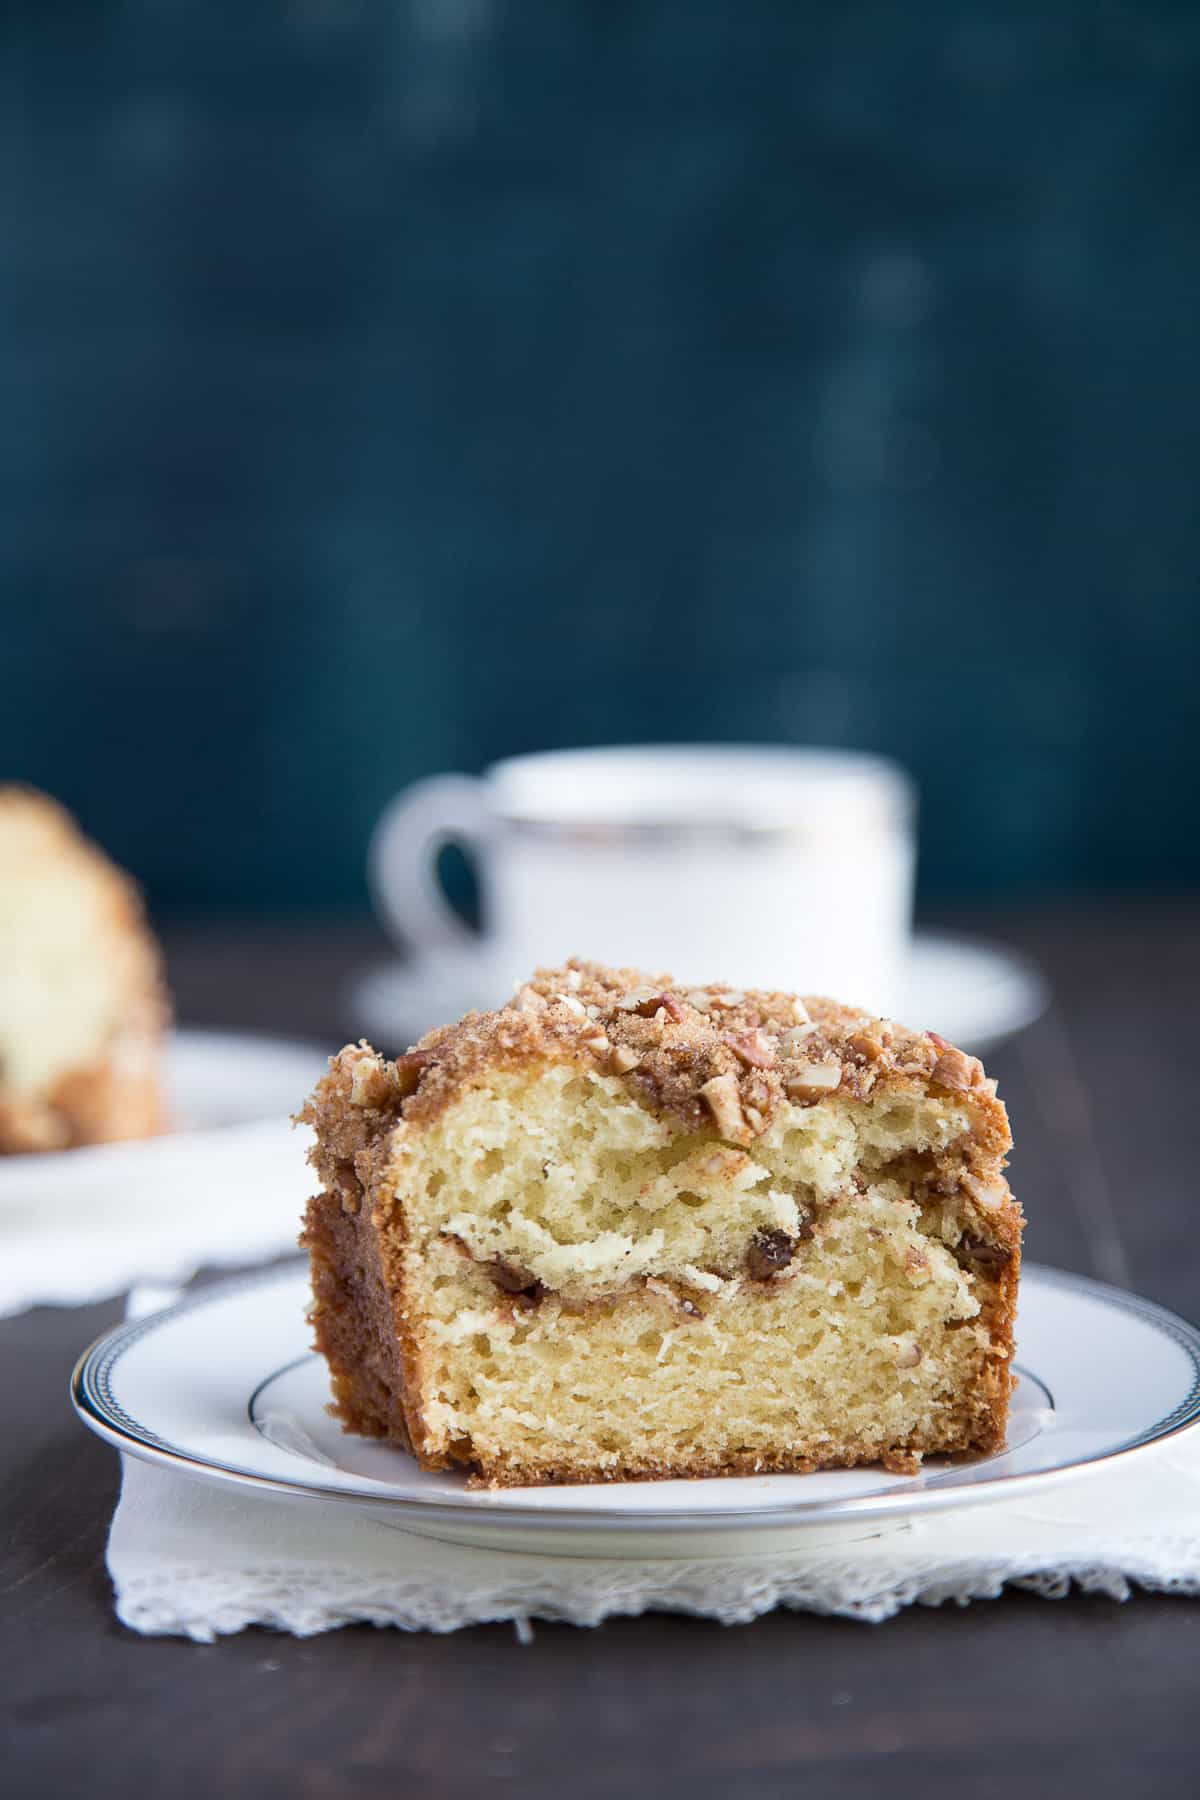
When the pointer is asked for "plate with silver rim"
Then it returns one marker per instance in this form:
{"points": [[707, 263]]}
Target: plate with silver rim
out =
{"points": [[224, 1387]]}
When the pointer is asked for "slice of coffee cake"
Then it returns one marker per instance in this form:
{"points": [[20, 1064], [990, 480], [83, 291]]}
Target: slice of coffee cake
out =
{"points": [[82, 1002], [623, 1228]]}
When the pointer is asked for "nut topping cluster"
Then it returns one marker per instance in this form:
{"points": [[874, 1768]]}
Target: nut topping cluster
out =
{"points": [[730, 1057], [712, 1055]]}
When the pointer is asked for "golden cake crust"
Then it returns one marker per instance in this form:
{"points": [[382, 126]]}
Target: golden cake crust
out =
{"points": [[116, 1093], [697, 1058]]}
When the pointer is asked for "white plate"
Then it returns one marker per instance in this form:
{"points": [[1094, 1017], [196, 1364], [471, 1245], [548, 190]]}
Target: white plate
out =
{"points": [[235, 1077], [225, 1387], [974, 993], [214, 1079]]}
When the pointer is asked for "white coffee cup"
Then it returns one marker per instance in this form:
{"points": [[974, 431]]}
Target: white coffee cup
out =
{"points": [[762, 867]]}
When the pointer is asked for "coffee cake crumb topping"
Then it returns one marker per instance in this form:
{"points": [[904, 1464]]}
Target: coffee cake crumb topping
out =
{"points": [[714, 1056]]}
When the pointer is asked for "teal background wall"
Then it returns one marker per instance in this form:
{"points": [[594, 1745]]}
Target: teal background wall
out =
{"points": [[387, 386]]}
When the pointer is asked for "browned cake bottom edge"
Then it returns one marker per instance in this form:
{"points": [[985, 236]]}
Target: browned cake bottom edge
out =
{"points": [[93, 1105]]}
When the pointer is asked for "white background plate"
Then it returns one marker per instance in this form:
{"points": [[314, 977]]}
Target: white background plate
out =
{"points": [[975, 994], [224, 1387], [235, 1077]]}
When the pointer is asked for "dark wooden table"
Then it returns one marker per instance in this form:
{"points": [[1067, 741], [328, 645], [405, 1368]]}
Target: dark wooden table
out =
{"points": [[1020, 1695]]}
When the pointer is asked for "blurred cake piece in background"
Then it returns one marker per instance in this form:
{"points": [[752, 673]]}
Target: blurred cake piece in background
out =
{"points": [[82, 1001]]}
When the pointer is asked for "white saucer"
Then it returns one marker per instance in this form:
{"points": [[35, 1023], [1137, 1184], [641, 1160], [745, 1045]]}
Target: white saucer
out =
{"points": [[215, 1080], [225, 1387], [974, 993]]}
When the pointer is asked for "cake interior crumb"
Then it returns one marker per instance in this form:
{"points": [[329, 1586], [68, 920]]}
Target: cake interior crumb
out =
{"points": [[579, 1273]]}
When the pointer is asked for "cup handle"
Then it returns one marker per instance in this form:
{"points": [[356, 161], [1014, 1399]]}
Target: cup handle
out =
{"points": [[402, 860]]}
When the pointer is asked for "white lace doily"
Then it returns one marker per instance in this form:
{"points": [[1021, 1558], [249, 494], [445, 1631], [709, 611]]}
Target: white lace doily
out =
{"points": [[196, 1561]]}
